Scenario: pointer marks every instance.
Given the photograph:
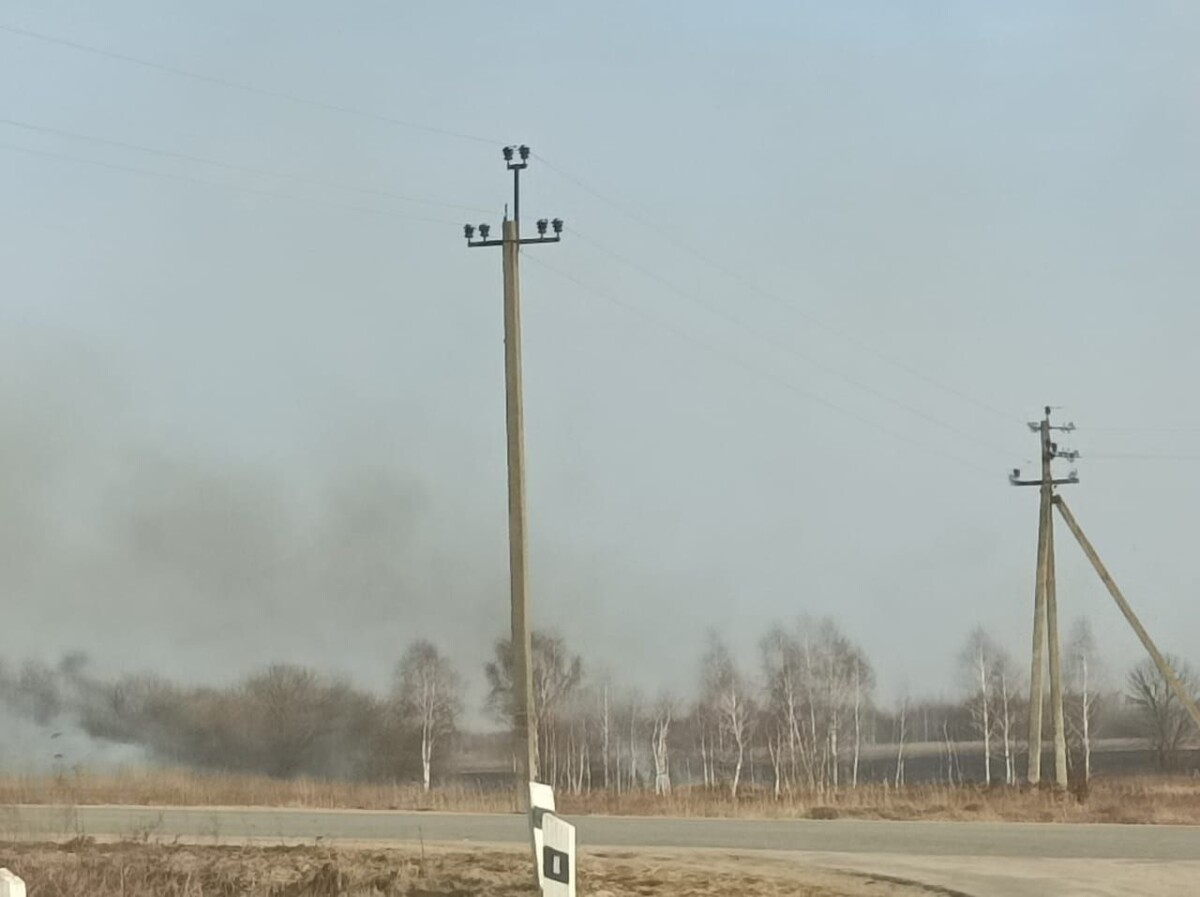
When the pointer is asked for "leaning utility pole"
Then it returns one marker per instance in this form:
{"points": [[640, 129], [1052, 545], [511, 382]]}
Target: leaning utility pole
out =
{"points": [[524, 711], [1164, 668], [1045, 610]]}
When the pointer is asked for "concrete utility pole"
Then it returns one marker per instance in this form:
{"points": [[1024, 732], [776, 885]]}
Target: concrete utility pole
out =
{"points": [[1045, 610], [1160, 661], [524, 711]]}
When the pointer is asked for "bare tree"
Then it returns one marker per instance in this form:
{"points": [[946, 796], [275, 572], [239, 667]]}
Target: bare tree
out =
{"points": [[784, 689], [1008, 681], [864, 682], [900, 737], [1083, 677], [1165, 721], [664, 711], [727, 694], [981, 660], [817, 686], [286, 709], [606, 732], [557, 673], [428, 693]]}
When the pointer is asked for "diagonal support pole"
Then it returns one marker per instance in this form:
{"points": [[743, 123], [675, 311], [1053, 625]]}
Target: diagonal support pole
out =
{"points": [[1164, 668]]}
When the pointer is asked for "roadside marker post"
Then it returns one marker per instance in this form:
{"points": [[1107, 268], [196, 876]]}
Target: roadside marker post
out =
{"points": [[557, 868], [11, 885], [553, 844], [541, 803]]}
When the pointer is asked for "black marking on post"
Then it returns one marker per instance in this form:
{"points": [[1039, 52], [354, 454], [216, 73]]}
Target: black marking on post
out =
{"points": [[556, 865]]}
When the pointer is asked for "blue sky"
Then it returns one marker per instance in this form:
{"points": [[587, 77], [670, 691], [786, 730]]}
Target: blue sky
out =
{"points": [[257, 417]]}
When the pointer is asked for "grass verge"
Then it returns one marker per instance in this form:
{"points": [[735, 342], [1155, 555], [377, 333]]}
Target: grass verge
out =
{"points": [[127, 869]]}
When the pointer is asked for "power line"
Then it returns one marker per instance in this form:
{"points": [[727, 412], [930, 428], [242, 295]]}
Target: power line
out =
{"points": [[751, 285], [792, 350], [294, 98], [737, 361], [255, 191], [349, 110], [229, 166], [1136, 456], [1141, 429], [247, 88]]}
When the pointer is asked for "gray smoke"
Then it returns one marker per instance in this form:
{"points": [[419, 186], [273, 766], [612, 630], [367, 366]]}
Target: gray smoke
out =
{"points": [[207, 564]]}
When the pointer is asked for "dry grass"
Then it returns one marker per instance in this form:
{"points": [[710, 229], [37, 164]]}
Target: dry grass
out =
{"points": [[82, 867], [1126, 800], [184, 788]]}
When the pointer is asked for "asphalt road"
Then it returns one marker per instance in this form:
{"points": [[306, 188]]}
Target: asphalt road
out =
{"points": [[928, 839]]}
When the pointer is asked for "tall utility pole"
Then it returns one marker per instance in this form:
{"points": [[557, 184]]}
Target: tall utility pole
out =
{"points": [[1045, 609], [524, 712]]}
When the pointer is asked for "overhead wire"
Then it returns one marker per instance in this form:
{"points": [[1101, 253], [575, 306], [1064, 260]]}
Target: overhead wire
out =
{"points": [[241, 86], [230, 166], [445, 132], [791, 349], [562, 172], [761, 372], [708, 259], [1091, 429], [1137, 456], [239, 188]]}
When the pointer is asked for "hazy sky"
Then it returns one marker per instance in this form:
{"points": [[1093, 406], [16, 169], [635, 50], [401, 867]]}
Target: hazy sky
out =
{"points": [[253, 417]]}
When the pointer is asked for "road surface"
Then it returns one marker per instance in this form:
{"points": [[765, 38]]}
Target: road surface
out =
{"points": [[977, 858]]}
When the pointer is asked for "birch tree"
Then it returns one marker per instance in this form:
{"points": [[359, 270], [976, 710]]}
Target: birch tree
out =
{"points": [[1083, 676], [980, 659], [727, 694], [664, 712], [864, 683], [784, 688], [428, 693], [557, 673], [1008, 681]]}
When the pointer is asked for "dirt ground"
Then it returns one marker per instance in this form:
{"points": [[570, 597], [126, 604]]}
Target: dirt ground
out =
{"points": [[126, 869]]}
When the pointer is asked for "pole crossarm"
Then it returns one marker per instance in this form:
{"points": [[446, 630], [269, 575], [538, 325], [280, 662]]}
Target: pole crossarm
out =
{"points": [[524, 241], [1164, 668], [1065, 481]]}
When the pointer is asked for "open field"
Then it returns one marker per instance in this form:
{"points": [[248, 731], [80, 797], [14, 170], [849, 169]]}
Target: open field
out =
{"points": [[126, 869], [1125, 800]]}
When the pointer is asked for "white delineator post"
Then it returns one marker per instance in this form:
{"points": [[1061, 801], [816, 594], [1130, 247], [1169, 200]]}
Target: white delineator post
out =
{"points": [[11, 885], [541, 804], [557, 868]]}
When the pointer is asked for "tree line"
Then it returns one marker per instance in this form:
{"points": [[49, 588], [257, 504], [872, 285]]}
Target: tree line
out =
{"points": [[803, 718]]}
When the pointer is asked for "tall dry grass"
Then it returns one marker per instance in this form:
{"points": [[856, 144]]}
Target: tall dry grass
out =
{"points": [[1124, 800], [126, 869]]}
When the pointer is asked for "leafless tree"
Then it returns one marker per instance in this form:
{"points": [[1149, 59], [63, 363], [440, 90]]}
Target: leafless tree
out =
{"points": [[1008, 681], [606, 731], [428, 694], [1165, 722], [557, 673], [727, 694], [287, 709], [784, 690], [1083, 677], [982, 661], [664, 711], [864, 682], [817, 684]]}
